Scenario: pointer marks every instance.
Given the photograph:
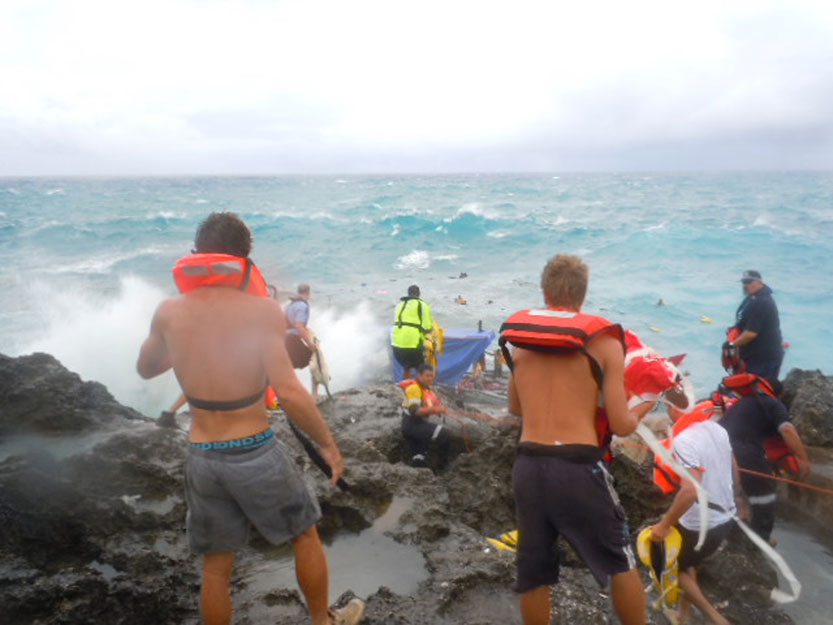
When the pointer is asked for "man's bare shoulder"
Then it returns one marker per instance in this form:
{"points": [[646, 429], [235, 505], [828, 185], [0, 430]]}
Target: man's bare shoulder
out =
{"points": [[606, 346]]}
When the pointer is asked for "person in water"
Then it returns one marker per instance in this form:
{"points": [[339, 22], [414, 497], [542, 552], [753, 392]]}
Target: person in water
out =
{"points": [[412, 321], [223, 345], [759, 341], [560, 483], [703, 449], [420, 434], [299, 341], [750, 421]]}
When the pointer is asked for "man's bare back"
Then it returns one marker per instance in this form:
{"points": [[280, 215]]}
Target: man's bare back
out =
{"points": [[224, 344], [557, 395]]}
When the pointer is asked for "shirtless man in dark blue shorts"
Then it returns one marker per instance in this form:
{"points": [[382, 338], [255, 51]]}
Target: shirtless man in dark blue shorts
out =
{"points": [[561, 485], [223, 345]]}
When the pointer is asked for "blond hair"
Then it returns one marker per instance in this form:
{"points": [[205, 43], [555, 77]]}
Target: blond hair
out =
{"points": [[564, 281]]}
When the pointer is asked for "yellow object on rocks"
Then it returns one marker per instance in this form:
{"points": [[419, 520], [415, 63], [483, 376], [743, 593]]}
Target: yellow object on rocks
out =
{"points": [[661, 560]]}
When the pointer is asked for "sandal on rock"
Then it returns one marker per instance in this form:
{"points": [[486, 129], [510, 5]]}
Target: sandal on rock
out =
{"points": [[350, 614]]}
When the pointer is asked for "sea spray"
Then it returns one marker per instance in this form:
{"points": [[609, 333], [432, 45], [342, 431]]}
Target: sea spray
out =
{"points": [[354, 344], [99, 336]]}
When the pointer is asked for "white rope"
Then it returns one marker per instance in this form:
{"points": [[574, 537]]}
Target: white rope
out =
{"points": [[702, 496], [777, 595]]}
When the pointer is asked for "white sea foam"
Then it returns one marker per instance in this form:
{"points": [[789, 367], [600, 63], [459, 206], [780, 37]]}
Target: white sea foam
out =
{"points": [[200, 201], [13, 191], [103, 263], [55, 192], [417, 259], [354, 344], [99, 338], [446, 257], [497, 234], [166, 215], [473, 208], [396, 230], [762, 220], [656, 227]]}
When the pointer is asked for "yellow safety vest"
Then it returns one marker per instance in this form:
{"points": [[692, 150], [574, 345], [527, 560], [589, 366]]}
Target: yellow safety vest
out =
{"points": [[411, 320]]}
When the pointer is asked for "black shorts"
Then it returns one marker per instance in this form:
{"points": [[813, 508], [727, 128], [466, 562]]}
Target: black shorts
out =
{"points": [[409, 357], [714, 538], [570, 494], [298, 351]]}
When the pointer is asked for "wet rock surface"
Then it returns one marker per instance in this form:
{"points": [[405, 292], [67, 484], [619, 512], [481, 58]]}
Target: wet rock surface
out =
{"points": [[92, 511], [809, 397]]}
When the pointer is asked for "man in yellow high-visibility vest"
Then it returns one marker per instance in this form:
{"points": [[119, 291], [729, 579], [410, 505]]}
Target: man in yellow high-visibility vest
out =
{"points": [[412, 320]]}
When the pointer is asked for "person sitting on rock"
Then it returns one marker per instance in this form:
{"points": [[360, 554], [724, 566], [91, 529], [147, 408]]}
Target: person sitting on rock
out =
{"points": [[420, 434], [703, 449]]}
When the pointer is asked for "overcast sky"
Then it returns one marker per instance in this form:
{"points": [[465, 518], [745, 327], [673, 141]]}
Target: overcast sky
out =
{"points": [[367, 86]]}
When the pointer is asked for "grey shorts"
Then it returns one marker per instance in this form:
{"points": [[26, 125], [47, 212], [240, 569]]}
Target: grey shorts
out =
{"points": [[228, 493]]}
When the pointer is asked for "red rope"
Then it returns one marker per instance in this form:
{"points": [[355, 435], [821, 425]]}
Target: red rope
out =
{"points": [[749, 471]]}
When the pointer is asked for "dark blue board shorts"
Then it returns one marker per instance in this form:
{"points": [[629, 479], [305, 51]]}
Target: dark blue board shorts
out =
{"points": [[565, 490]]}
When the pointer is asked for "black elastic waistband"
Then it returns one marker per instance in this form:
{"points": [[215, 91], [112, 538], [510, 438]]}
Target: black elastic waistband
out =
{"points": [[574, 452], [233, 404], [246, 443]]}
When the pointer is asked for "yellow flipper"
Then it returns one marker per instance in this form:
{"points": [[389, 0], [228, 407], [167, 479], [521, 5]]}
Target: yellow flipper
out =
{"points": [[507, 541], [661, 560]]}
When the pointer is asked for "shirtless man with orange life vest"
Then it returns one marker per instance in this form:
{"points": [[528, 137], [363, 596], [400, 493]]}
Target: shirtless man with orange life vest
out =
{"points": [[561, 485], [224, 344]]}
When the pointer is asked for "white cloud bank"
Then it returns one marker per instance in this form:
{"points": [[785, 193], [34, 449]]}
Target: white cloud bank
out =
{"points": [[187, 86]]}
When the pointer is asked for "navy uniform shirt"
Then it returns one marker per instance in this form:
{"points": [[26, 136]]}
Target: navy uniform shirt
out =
{"points": [[751, 420], [758, 313]]}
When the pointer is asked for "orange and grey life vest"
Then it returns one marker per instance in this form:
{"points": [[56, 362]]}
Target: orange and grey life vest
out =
{"points": [[429, 397], [778, 453], [199, 270], [664, 476], [559, 331]]}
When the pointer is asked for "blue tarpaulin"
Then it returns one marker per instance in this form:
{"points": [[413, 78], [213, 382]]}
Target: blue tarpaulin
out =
{"points": [[461, 349]]}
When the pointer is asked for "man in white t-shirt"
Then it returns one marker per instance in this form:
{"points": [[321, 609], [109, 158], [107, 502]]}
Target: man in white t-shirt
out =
{"points": [[704, 449]]}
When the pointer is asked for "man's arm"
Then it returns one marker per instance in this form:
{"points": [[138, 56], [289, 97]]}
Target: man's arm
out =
{"points": [[793, 441], [747, 336], [683, 500], [612, 358], [296, 401], [154, 358]]}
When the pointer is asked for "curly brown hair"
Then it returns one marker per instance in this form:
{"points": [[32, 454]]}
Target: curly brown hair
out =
{"points": [[564, 281], [223, 233]]}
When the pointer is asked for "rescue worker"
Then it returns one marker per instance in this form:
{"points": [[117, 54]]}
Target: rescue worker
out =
{"points": [[299, 342], [420, 434], [749, 422], [704, 450], [224, 343], [758, 328], [560, 482], [412, 321]]}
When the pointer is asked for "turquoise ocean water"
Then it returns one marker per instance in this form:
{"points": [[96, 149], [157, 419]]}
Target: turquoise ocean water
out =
{"points": [[86, 260]]}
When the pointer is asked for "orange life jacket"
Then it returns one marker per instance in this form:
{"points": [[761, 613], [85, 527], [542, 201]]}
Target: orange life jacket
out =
{"points": [[778, 453], [429, 397], [198, 270], [557, 331], [664, 477]]}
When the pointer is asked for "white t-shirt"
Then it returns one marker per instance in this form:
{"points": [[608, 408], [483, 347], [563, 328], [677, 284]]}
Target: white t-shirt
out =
{"points": [[705, 446]]}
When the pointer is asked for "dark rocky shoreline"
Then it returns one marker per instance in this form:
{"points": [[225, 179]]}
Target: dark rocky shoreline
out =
{"points": [[92, 513]]}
